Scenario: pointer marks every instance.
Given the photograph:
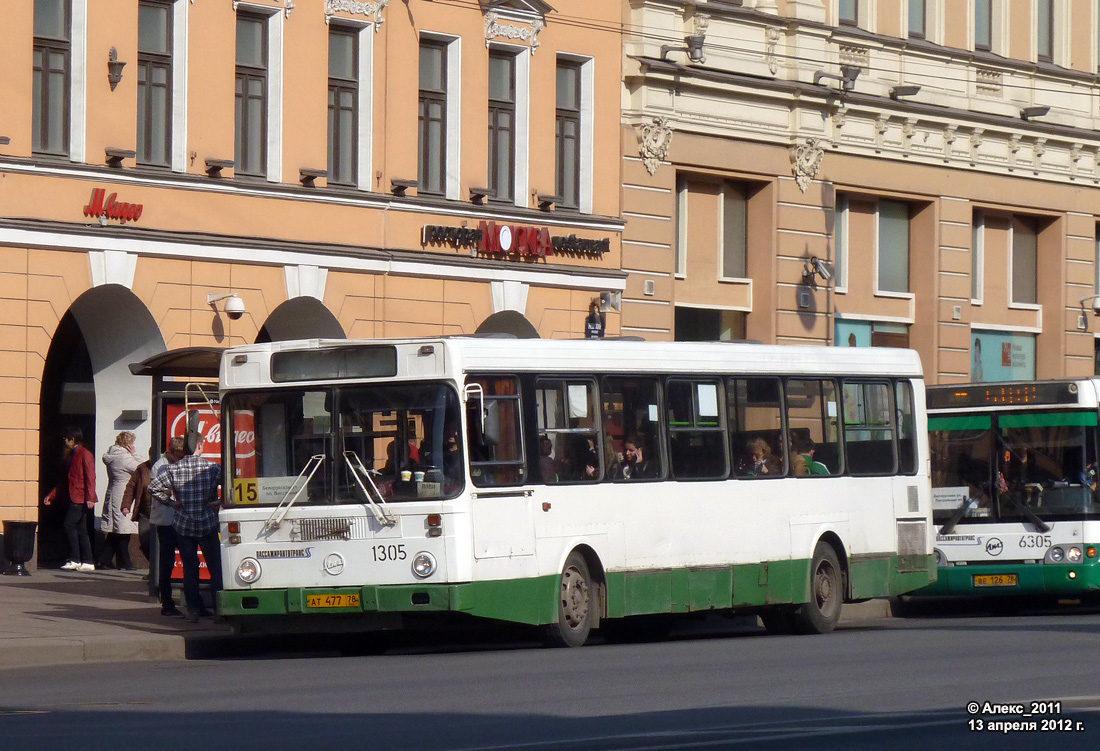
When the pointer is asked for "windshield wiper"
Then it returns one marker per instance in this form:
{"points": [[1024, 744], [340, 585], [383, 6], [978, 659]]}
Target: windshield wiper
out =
{"points": [[293, 492], [358, 470], [960, 512], [1031, 515]]}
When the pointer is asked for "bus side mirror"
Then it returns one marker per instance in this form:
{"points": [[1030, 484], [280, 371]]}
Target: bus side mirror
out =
{"points": [[490, 430]]}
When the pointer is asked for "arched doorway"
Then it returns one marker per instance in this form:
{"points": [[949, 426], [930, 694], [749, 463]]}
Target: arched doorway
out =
{"points": [[508, 322], [300, 318], [86, 382]]}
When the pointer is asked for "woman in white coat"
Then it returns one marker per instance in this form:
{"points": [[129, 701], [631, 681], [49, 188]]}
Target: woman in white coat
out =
{"points": [[121, 460]]}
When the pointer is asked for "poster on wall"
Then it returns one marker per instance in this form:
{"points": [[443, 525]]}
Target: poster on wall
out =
{"points": [[1001, 356]]}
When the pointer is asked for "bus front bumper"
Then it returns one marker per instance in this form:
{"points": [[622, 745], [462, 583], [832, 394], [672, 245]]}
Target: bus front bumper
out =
{"points": [[1029, 579]]}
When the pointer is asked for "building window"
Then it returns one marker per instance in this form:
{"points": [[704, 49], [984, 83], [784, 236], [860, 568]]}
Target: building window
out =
{"points": [[849, 12], [1044, 30], [250, 146], [432, 170], [977, 258], [502, 125], [568, 133], [52, 50], [918, 19], [343, 105], [735, 244], [893, 246], [840, 266], [154, 111], [983, 25], [1025, 257]]}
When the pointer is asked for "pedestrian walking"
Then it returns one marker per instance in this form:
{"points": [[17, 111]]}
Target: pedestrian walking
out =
{"points": [[77, 491]]}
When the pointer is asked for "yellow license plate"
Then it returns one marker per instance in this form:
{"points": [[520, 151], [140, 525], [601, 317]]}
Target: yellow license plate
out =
{"points": [[995, 580], [332, 601]]}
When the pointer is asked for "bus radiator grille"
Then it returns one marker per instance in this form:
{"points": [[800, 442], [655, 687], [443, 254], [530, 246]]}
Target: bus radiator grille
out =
{"points": [[312, 530]]}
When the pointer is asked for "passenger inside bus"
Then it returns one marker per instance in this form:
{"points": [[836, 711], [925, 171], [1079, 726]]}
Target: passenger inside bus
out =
{"points": [[635, 465]]}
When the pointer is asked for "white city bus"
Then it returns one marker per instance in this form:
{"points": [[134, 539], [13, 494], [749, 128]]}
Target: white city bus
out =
{"points": [[1014, 488], [568, 484]]}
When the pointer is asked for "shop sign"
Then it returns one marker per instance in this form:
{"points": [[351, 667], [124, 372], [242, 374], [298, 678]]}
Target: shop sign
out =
{"points": [[109, 208], [491, 238]]}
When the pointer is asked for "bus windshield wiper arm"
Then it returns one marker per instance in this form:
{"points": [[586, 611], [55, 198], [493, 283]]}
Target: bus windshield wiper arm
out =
{"points": [[960, 512], [358, 471], [1031, 515], [293, 492]]}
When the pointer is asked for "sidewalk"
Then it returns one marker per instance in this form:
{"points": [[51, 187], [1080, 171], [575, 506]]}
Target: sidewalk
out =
{"points": [[56, 617]]}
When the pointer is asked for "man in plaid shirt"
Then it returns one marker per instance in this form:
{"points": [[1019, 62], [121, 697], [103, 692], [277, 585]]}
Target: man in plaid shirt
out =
{"points": [[190, 486]]}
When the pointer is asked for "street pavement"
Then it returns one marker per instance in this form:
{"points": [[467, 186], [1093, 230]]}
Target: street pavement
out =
{"points": [[56, 617]]}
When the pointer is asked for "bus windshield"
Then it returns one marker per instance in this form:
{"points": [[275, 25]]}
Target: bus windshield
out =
{"points": [[387, 442], [1015, 467]]}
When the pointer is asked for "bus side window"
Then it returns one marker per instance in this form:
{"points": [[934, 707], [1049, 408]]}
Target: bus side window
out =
{"points": [[696, 430], [755, 415], [812, 426], [496, 460], [568, 431], [869, 428], [631, 418]]}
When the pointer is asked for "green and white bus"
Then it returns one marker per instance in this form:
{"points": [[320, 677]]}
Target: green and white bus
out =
{"points": [[1014, 488], [568, 484]]}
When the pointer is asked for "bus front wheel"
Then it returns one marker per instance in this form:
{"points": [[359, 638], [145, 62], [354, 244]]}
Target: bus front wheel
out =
{"points": [[576, 604], [821, 614]]}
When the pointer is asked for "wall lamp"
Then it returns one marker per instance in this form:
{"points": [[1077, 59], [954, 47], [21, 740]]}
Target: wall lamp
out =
{"points": [[234, 306], [847, 77], [114, 68], [897, 92], [1083, 322], [693, 46], [814, 269], [1029, 112]]}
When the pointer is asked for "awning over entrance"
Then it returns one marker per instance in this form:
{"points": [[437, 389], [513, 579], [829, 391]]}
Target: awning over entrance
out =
{"points": [[187, 362]]}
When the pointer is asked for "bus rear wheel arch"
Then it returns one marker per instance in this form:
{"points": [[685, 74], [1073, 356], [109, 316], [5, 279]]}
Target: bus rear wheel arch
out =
{"points": [[822, 612]]}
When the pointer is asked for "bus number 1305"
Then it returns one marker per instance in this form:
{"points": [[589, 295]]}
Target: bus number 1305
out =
{"points": [[388, 552]]}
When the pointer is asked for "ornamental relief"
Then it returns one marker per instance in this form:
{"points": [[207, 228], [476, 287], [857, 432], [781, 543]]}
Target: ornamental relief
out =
{"points": [[495, 29], [372, 10], [805, 160], [655, 141]]}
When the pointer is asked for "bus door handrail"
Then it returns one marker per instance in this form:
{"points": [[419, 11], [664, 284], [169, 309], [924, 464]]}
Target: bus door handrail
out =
{"points": [[192, 385], [383, 515], [276, 519], [472, 389]]}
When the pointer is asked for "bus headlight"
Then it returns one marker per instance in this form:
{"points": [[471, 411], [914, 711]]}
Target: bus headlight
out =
{"points": [[248, 570], [423, 565], [1056, 555], [941, 559], [1074, 554]]}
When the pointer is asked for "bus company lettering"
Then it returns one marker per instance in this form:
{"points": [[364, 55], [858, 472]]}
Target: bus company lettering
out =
{"points": [[112, 209]]}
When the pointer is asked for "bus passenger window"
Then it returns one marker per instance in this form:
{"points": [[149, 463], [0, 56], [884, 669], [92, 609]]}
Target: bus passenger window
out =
{"points": [[568, 431], [754, 409], [632, 428], [696, 431], [495, 459], [812, 427], [869, 428]]}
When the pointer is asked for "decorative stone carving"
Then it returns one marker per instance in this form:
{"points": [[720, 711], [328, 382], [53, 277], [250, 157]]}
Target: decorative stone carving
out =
{"points": [[805, 159], [881, 126], [1038, 149], [908, 133], [372, 10], [1075, 154], [1013, 150], [494, 29], [975, 143], [656, 138], [950, 132], [771, 39]]}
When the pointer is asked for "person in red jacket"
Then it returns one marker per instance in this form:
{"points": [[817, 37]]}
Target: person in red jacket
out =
{"points": [[79, 489]]}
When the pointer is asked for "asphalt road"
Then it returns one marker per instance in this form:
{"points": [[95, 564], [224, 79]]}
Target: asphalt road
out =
{"points": [[870, 685]]}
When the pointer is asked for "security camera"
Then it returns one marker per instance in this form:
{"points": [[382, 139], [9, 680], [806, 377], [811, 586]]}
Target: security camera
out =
{"points": [[234, 307], [823, 269]]}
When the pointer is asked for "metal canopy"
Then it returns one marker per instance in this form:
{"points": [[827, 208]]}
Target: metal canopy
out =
{"points": [[191, 362]]}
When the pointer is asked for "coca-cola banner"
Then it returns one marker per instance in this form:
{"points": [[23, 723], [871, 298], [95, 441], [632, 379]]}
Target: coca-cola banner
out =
{"points": [[209, 428]]}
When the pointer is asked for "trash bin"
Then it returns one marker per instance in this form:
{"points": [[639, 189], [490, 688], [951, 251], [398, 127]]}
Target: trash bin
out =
{"points": [[18, 546]]}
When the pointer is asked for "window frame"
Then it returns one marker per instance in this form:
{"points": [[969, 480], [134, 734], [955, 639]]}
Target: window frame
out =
{"points": [[1031, 224], [244, 74], [880, 289], [498, 108], [562, 116], [439, 98], [983, 44], [847, 16], [339, 85], [721, 427], [1044, 8], [977, 259], [922, 15], [562, 383], [891, 411], [40, 141], [147, 62]]}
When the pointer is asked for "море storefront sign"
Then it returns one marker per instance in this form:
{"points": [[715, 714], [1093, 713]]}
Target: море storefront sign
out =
{"points": [[491, 238]]}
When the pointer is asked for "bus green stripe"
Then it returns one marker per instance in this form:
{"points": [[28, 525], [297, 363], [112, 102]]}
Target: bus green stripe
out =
{"points": [[960, 422], [1046, 419], [534, 601]]}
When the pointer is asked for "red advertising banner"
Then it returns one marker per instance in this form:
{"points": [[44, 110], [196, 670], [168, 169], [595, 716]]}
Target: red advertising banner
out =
{"points": [[210, 430]]}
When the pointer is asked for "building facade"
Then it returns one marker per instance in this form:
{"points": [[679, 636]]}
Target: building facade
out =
{"points": [[185, 173], [920, 173]]}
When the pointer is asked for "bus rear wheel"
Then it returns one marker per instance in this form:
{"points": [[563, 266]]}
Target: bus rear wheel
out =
{"points": [[821, 614], [576, 604]]}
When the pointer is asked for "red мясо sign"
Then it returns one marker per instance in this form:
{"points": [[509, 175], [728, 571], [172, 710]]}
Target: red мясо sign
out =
{"points": [[110, 208]]}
